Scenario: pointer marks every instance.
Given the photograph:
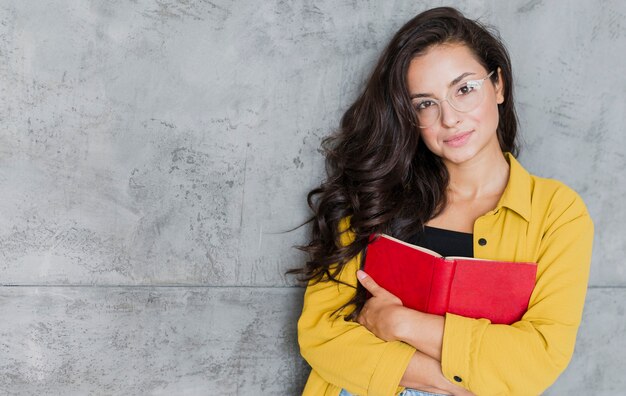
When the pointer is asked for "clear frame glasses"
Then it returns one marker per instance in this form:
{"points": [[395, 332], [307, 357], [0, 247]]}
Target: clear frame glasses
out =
{"points": [[462, 97]]}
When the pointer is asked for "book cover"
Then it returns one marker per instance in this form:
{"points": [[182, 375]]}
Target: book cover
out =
{"points": [[470, 287]]}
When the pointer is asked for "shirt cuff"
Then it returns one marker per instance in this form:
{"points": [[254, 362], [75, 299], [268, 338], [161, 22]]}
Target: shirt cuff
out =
{"points": [[457, 348], [390, 369]]}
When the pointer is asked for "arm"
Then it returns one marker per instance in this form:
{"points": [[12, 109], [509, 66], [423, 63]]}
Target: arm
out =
{"points": [[348, 355], [527, 357]]}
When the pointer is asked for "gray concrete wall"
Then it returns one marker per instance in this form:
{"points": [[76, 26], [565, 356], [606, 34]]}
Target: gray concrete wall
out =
{"points": [[152, 152]]}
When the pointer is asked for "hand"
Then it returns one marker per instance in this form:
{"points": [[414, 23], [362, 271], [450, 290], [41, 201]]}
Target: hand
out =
{"points": [[382, 313]]}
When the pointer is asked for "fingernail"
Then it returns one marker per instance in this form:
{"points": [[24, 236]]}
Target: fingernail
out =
{"points": [[361, 275]]}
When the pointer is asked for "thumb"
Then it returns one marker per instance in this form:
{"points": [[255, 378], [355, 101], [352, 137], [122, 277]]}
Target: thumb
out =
{"points": [[369, 283]]}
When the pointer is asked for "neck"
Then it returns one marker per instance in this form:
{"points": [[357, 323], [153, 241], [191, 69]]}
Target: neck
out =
{"points": [[483, 176]]}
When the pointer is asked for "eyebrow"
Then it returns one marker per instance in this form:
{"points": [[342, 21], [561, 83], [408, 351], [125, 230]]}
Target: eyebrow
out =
{"points": [[453, 82]]}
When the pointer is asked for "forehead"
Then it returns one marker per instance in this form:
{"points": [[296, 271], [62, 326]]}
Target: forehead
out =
{"points": [[435, 69]]}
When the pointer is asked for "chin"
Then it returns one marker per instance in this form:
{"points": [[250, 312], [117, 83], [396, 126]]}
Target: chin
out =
{"points": [[459, 157]]}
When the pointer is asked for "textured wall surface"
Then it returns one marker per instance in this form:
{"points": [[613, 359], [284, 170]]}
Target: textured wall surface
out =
{"points": [[153, 152]]}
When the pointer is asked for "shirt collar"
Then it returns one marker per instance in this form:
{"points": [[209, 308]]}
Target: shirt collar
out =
{"points": [[516, 195]]}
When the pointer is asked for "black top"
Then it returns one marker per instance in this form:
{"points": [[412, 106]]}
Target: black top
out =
{"points": [[445, 242]]}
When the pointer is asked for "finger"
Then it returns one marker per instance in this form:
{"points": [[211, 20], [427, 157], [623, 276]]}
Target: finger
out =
{"points": [[369, 283]]}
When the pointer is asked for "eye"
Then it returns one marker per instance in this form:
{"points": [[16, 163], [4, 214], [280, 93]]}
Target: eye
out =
{"points": [[467, 88], [424, 104]]}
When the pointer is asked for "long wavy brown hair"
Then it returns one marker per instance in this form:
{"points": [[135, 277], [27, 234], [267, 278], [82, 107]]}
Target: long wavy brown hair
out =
{"points": [[379, 173]]}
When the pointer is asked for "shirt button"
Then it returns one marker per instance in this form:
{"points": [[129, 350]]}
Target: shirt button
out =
{"points": [[458, 379], [482, 241]]}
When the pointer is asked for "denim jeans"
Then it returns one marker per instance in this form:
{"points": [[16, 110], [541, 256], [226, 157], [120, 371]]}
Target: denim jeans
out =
{"points": [[406, 392]]}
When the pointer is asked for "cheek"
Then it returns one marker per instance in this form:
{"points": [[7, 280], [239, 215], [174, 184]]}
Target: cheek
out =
{"points": [[486, 116], [429, 138]]}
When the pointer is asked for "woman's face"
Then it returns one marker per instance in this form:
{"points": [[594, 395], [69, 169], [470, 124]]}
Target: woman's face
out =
{"points": [[457, 137]]}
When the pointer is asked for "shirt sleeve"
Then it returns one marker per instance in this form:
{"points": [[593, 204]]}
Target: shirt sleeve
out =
{"points": [[345, 353], [526, 357]]}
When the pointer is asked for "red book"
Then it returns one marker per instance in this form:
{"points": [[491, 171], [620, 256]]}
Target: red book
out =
{"points": [[427, 282]]}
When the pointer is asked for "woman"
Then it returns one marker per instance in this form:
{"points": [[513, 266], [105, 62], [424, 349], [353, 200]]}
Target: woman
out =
{"points": [[427, 154]]}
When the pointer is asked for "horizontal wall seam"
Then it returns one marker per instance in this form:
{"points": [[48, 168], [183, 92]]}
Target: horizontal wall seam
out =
{"points": [[205, 286], [152, 286]]}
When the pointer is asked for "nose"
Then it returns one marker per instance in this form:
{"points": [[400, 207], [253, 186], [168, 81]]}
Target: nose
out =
{"points": [[449, 116]]}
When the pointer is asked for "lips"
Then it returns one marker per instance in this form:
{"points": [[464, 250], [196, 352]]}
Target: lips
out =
{"points": [[458, 139]]}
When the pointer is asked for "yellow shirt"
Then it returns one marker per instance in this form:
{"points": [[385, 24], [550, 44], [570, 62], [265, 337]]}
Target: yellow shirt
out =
{"points": [[536, 220]]}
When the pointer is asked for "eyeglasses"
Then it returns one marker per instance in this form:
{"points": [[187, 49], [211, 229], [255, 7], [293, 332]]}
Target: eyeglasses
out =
{"points": [[462, 97]]}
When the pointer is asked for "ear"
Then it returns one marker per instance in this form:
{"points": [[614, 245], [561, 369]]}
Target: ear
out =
{"points": [[499, 85]]}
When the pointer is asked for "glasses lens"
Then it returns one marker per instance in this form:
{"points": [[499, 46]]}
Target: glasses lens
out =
{"points": [[463, 97], [427, 112], [466, 96]]}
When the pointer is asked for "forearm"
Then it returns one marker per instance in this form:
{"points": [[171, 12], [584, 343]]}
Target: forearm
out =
{"points": [[422, 331], [424, 373]]}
